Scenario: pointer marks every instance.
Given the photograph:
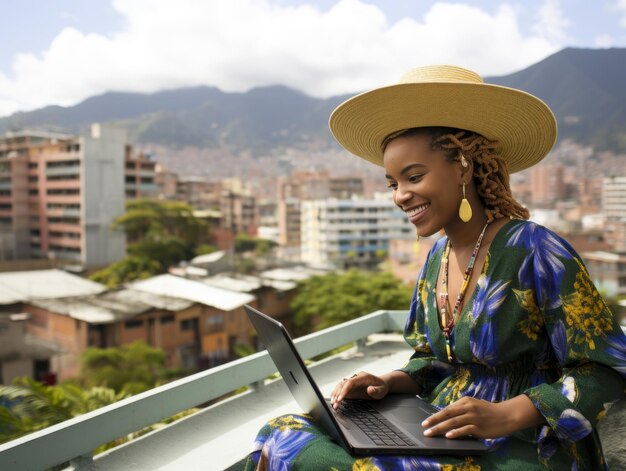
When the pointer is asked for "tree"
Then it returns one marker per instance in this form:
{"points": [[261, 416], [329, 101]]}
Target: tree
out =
{"points": [[132, 368], [154, 220], [29, 406], [128, 269], [160, 234], [335, 298]]}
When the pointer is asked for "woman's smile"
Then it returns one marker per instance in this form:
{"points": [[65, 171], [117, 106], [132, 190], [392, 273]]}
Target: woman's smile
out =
{"points": [[416, 213]]}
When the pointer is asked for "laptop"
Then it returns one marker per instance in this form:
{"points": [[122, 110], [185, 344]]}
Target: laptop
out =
{"points": [[363, 427]]}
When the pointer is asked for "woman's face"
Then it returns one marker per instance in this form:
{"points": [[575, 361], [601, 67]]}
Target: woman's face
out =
{"points": [[424, 183]]}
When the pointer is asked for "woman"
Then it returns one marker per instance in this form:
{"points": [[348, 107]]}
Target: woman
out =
{"points": [[511, 339]]}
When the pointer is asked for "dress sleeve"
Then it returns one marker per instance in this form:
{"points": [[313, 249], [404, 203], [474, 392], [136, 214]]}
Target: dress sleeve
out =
{"points": [[586, 339], [420, 365]]}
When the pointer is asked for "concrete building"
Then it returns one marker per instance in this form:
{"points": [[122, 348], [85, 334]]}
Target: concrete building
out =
{"points": [[211, 330], [59, 195], [307, 186], [19, 291], [140, 175], [23, 354], [355, 232], [614, 198]]}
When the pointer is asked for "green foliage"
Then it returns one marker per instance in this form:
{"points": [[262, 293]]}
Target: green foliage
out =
{"points": [[204, 249], [133, 368], [154, 220], [31, 406], [248, 243], [161, 234], [128, 269], [335, 298], [166, 252]]}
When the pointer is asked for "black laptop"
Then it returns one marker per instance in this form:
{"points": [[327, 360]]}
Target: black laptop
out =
{"points": [[389, 426]]}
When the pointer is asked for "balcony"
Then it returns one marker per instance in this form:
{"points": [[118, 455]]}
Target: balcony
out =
{"points": [[221, 435]]}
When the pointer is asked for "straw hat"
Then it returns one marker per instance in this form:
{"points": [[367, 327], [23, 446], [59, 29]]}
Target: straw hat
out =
{"points": [[442, 95]]}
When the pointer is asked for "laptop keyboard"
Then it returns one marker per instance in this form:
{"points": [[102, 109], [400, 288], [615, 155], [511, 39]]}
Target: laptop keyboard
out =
{"points": [[373, 424]]}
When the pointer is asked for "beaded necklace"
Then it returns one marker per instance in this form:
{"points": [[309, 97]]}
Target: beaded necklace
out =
{"points": [[448, 323]]}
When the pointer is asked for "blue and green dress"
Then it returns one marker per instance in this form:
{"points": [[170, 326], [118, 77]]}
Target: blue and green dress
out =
{"points": [[535, 324]]}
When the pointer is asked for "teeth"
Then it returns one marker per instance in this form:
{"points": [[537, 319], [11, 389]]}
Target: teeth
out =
{"points": [[419, 209]]}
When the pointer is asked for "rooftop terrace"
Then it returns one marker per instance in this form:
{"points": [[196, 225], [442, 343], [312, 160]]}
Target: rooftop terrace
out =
{"points": [[220, 435]]}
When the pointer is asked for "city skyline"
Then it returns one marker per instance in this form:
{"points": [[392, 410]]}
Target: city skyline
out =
{"points": [[72, 50]]}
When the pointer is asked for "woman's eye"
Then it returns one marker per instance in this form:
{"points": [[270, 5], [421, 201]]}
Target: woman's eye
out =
{"points": [[392, 186], [415, 178]]}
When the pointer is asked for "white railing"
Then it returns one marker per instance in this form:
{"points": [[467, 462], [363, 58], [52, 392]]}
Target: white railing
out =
{"points": [[73, 440]]}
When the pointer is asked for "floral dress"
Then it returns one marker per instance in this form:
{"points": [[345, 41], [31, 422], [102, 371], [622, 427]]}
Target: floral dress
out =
{"points": [[536, 325]]}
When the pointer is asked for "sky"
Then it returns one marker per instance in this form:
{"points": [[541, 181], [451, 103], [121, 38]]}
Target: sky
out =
{"points": [[63, 51]]}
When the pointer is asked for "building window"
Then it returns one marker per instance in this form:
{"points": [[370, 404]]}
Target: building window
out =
{"points": [[215, 320], [188, 324], [167, 319], [135, 324]]}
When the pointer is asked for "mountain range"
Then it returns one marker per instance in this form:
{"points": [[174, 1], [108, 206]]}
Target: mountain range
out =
{"points": [[586, 89]]}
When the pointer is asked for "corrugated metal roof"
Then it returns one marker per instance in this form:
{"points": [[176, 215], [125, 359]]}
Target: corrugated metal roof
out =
{"points": [[280, 285], [112, 306], [287, 274], [92, 309], [157, 301], [240, 283], [21, 286], [208, 258], [191, 290]]}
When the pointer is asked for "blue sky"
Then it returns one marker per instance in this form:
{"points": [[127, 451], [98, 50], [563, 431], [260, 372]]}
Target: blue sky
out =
{"points": [[63, 51]]}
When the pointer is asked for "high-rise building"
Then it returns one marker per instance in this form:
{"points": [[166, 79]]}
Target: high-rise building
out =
{"points": [[59, 195], [307, 186], [140, 175], [354, 232]]}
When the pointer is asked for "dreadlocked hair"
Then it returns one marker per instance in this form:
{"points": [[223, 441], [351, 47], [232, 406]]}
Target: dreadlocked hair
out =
{"points": [[491, 175]]}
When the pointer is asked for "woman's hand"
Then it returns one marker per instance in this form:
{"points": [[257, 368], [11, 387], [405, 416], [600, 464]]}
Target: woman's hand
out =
{"points": [[360, 386], [483, 419]]}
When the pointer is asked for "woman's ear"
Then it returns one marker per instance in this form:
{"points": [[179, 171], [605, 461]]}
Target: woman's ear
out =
{"points": [[467, 168]]}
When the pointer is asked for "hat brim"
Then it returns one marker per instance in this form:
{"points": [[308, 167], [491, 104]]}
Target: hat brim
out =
{"points": [[523, 126]]}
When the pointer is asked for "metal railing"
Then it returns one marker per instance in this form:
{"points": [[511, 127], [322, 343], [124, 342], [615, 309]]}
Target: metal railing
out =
{"points": [[75, 439]]}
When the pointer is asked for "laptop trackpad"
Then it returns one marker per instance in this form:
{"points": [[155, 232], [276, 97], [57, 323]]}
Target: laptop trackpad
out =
{"points": [[405, 408]]}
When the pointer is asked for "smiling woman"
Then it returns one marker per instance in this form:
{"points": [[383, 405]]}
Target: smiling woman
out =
{"points": [[510, 337]]}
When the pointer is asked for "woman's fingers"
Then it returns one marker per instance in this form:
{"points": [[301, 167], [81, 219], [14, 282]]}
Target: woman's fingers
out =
{"points": [[358, 386]]}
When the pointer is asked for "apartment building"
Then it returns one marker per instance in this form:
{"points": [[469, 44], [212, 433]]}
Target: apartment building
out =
{"points": [[351, 232], [139, 175], [59, 194], [307, 186]]}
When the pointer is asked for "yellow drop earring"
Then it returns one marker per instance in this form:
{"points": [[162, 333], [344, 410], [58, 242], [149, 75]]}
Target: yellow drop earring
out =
{"points": [[465, 210]]}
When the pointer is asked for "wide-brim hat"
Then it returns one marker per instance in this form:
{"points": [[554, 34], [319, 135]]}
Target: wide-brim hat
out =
{"points": [[523, 126]]}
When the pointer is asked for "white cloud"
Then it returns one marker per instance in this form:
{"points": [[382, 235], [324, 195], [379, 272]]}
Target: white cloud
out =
{"points": [[603, 41], [620, 5], [239, 44], [551, 22]]}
